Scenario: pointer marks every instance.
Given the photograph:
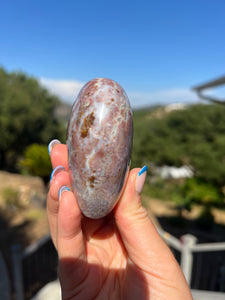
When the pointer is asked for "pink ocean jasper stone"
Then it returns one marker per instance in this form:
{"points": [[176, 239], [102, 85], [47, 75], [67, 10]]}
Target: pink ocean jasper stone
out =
{"points": [[99, 140]]}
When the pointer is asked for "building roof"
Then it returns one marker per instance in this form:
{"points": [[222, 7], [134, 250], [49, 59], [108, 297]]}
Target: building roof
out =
{"points": [[210, 84]]}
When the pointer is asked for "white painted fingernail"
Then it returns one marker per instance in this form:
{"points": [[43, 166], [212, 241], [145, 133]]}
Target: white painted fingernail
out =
{"points": [[56, 171], [63, 189], [52, 144], [140, 180]]}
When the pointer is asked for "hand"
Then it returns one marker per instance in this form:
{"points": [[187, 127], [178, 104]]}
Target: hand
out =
{"points": [[120, 256]]}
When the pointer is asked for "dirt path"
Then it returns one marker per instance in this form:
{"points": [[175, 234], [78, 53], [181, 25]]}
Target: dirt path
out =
{"points": [[164, 215], [22, 209], [160, 208]]}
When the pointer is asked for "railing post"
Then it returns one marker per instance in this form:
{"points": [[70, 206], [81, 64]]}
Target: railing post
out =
{"points": [[17, 271], [188, 241]]}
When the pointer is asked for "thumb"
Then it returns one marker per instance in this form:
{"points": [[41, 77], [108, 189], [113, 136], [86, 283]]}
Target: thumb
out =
{"points": [[144, 245]]}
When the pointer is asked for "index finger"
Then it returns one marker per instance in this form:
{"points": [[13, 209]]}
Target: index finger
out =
{"points": [[59, 156]]}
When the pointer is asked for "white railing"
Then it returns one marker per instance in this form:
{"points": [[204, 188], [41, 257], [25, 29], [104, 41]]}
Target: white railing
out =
{"points": [[187, 246]]}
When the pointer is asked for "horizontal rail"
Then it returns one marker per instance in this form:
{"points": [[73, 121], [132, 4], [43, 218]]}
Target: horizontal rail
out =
{"points": [[178, 245], [170, 239], [208, 247], [34, 247]]}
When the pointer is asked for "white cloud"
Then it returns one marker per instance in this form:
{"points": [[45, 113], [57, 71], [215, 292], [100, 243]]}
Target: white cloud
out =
{"points": [[162, 97], [217, 92], [67, 90]]}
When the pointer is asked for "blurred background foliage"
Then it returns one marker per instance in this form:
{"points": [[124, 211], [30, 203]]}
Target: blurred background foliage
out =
{"points": [[36, 161], [193, 136], [27, 116]]}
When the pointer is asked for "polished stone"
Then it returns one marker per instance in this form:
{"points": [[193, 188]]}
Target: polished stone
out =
{"points": [[99, 140]]}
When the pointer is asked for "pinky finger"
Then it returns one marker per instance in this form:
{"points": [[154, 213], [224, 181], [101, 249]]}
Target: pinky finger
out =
{"points": [[70, 243]]}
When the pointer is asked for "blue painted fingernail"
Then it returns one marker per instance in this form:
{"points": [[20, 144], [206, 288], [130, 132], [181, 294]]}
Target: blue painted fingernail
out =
{"points": [[144, 169], [52, 144], [56, 171], [63, 189], [140, 180]]}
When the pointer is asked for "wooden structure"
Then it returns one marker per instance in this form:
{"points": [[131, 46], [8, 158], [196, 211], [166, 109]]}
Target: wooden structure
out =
{"points": [[208, 85]]}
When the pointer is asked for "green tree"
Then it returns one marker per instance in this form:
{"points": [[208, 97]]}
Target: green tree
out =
{"points": [[193, 136], [193, 191], [27, 115]]}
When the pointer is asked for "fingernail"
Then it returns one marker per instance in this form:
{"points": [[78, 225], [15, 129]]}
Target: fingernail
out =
{"points": [[55, 171], [140, 180], [52, 144], [63, 189]]}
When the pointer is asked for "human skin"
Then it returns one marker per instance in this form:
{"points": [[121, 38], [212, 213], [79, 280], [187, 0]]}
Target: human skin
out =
{"points": [[121, 256]]}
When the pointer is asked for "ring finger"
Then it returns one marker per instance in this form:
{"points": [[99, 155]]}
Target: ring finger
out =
{"points": [[59, 178]]}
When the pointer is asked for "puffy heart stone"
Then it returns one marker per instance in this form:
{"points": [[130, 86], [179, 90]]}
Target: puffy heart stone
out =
{"points": [[99, 140]]}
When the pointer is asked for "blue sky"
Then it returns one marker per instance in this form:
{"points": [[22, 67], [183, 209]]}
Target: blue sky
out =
{"points": [[157, 50]]}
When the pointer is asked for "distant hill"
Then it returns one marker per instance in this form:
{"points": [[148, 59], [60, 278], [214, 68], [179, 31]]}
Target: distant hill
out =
{"points": [[193, 136]]}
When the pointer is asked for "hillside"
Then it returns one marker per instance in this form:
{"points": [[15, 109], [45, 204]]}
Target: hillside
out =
{"points": [[193, 136], [173, 136]]}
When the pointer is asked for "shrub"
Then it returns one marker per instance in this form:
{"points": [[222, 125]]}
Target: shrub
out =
{"points": [[36, 162], [201, 192]]}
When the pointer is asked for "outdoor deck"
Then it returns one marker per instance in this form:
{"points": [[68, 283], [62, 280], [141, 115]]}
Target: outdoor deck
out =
{"points": [[52, 292]]}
